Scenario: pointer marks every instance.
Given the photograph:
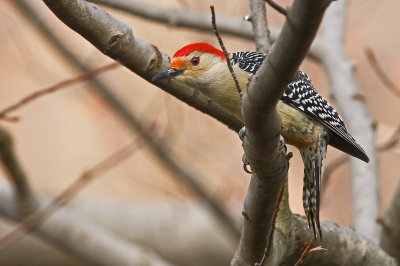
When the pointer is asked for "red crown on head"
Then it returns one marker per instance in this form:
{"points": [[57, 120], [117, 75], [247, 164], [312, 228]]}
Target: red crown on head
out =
{"points": [[200, 47]]}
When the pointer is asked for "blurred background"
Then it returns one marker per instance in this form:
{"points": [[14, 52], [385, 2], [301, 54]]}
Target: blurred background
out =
{"points": [[61, 135]]}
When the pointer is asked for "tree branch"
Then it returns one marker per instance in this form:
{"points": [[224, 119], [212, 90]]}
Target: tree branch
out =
{"points": [[344, 247], [115, 39], [192, 19], [266, 157], [345, 87], [258, 19], [67, 230]]}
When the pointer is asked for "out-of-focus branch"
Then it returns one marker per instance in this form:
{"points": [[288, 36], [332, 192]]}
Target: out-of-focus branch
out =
{"points": [[35, 219], [126, 47], [390, 238], [344, 86], [25, 199], [188, 18], [373, 62], [66, 229], [61, 85], [261, 144], [192, 19]]}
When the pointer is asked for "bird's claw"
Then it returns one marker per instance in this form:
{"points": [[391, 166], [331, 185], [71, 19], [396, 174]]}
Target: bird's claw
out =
{"points": [[246, 164], [242, 133]]}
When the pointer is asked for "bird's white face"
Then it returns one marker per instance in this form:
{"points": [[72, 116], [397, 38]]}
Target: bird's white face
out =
{"points": [[197, 68]]}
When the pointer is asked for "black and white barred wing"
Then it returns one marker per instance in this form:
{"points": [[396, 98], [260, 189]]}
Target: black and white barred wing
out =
{"points": [[302, 95], [248, 61]]}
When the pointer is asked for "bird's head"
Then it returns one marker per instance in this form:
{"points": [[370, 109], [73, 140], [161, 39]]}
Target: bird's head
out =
{"points": [[191, 63]]}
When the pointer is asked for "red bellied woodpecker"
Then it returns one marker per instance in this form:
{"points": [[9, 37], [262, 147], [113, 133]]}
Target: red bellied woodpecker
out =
{"points": [[308, 121]]}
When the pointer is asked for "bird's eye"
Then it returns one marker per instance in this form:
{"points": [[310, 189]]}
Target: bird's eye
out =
{"points": [[195, 60]]}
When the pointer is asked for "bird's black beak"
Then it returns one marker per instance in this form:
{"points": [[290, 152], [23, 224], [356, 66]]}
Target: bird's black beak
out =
{"points": [[168, 74]]}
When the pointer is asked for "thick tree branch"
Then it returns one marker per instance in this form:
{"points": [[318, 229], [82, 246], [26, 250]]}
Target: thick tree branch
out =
{"points": [[344, 247], [345, 88], [115, 39], [192, 19], [261, 144]]}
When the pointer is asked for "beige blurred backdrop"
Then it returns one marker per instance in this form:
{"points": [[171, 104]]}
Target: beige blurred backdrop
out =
{"points": [[61, 135]]}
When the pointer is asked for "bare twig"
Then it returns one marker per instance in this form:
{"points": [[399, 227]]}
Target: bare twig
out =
{"points": [[305, 252], [374, 63], [277, 7], [38, 217], [61, 85], [221, 43]]}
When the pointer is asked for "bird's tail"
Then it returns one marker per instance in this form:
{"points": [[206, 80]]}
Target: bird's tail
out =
{"points": [[314, 158]]}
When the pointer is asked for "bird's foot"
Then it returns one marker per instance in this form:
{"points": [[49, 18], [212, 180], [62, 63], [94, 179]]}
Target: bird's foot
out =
{"points": [[246, 164]]}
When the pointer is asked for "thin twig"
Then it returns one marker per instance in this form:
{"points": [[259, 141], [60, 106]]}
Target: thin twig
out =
{"points": [[271, 232], [38, 217], [56, 87], [277, 7], [221, 43], [305, 252], [373, 61]]}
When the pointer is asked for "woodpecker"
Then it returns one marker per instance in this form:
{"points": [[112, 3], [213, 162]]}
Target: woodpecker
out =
{"points": [[308, 121]]}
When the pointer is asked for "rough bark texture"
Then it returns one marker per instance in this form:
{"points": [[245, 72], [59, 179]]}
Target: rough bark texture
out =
{"points": [[115, 39], [266, 157]]}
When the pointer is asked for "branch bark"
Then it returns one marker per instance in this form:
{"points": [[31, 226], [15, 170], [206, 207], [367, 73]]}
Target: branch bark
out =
{"points": [[192, 19], [345, 88], [266, 157], [115, 39], [258, 19], [344, 247]]}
